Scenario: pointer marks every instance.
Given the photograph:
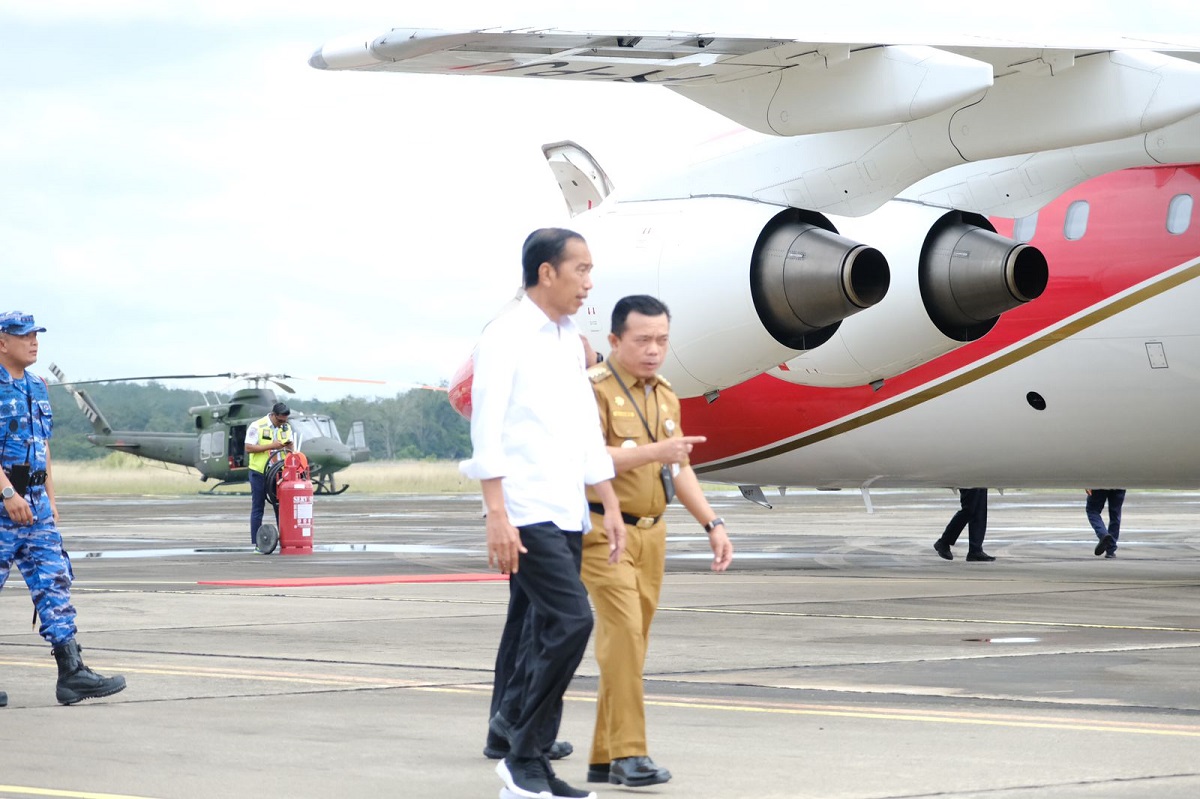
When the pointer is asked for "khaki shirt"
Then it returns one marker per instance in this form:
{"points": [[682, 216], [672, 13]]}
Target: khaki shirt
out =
{"points": [[639, 490]]}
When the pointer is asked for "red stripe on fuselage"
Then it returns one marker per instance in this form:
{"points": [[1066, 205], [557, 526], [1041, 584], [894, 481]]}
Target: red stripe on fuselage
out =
{"points": [[1126, 242]]}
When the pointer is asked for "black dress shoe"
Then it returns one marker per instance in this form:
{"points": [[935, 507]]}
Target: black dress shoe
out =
{"points": [[943, 549], [979, 556], [636, 772], [597, 772], [497, 746], [1105, 542]]}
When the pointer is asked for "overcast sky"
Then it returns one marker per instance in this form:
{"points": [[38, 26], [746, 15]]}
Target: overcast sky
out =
{"points": [[180, 192]]}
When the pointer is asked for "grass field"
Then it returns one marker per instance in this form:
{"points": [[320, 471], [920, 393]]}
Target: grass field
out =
{"points": [[122, 474]]}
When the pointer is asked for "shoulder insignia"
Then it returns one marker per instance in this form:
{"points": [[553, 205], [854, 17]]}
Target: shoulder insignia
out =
{"points": [[664, 381], [598, 372]]}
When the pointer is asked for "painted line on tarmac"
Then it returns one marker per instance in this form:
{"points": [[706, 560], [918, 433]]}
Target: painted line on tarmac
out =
{"points": [[320, 582], [868, 617], [242, 674], [944, 717], [892, 714], [24, 790]]}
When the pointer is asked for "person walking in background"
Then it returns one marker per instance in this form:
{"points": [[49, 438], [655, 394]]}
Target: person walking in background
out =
{"points": [[1096, 497], [973, 515]]}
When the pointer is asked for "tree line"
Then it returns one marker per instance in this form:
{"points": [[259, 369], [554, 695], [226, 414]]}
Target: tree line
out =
{"points": [[414, 425]]}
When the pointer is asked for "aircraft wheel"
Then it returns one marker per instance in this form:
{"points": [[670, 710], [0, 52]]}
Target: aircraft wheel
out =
{"points": [[268, 538]]}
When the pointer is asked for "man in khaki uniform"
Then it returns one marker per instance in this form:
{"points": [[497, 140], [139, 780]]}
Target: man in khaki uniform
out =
{"points": [[639, 414]]}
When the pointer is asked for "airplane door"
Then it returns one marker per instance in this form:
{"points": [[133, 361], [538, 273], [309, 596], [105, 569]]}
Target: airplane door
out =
{"points": [[580, 177]]}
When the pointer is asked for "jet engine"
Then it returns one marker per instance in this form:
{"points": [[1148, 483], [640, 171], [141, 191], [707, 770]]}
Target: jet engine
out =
{"points": [[950, 286], [749, 284]]}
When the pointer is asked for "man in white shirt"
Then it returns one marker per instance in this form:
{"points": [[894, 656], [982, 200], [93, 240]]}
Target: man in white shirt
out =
{"points": [[537, 442]]}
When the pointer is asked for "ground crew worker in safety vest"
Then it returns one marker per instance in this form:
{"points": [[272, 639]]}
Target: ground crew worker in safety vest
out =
{"points": [[29, 533], [266, 441], [639, 414]]}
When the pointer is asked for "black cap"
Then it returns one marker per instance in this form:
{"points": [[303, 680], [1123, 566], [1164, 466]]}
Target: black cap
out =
{"points": [[281, 409]]}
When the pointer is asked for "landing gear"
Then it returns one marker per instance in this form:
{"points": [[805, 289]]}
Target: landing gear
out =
{"points": [[325, 484]]}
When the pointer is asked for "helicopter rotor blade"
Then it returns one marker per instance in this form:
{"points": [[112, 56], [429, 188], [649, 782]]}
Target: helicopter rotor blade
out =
{"points": [[149, 377]]}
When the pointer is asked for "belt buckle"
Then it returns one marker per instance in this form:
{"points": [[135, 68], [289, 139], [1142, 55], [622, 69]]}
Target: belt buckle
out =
{"points": [[646, 522]]}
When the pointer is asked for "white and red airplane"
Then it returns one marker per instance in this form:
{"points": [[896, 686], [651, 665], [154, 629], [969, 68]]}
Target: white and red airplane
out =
{"points": [[966, 263]]}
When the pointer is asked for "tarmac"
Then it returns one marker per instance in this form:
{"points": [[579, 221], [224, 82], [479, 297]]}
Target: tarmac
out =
{"points": [[839, 656]]}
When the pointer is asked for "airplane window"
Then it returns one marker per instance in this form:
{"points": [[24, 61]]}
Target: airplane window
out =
{"points": [[1075, 224], [206, 446], [1179, 214], [1023, 228]]}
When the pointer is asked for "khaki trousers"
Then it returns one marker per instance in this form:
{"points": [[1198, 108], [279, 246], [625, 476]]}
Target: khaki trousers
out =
{"points": [[625, 597]]}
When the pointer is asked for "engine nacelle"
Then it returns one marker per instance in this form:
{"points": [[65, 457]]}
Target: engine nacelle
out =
{"points": [[748, 284], [950, 286]]}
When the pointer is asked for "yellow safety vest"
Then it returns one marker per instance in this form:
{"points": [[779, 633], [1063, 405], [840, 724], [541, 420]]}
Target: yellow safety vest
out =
{"points": [[266, 434]]}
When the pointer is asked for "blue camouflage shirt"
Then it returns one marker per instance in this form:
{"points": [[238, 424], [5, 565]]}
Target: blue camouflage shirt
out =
{"points": [[25, 420]]}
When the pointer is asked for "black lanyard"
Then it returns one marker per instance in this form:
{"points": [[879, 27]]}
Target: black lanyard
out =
{"points": [[641, 416]]}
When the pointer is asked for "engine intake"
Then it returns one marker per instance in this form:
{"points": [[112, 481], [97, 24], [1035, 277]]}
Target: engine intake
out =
{"points": [[969, 275], [805, 279]]}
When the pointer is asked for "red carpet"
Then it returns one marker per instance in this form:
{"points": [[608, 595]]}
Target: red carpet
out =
{"points": [[302, 582]]}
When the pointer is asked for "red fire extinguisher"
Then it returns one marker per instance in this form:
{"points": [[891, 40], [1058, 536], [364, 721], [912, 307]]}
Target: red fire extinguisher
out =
{"points": [[294, 493]]}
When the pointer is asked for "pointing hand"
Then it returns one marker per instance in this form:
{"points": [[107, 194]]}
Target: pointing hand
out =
{"points": [[676, 450]]}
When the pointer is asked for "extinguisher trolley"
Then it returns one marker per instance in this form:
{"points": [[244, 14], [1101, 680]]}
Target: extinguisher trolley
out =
{"points": [[294, 493]]}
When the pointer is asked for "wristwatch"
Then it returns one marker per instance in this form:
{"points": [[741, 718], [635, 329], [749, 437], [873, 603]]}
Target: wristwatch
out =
{"points": [[708, 528], [8, 493]]}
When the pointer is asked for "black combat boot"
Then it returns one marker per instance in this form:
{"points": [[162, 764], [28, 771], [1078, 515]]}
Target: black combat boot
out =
{"points": [[76, 681]]}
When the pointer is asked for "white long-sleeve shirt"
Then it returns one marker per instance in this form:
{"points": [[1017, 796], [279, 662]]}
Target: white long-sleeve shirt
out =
{"points": [[533, 419]]}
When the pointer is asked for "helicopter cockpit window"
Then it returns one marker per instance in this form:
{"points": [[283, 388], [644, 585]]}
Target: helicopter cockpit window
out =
{"points": [[307, 427]]}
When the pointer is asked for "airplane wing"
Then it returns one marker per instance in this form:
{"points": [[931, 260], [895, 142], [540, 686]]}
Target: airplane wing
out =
{"points": [[771, 85]]}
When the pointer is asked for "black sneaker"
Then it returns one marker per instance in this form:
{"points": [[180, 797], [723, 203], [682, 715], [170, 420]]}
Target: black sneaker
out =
{"points": [[559, 789], [525, 777], [1103, 545]]}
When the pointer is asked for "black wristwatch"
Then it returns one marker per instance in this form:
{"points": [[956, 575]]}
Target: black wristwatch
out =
{"points": [[8, 493], [708, 528]]}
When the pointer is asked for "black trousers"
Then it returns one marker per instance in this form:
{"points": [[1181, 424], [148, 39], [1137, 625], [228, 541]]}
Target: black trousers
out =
{"points": [[545, 635], [972, 515]]}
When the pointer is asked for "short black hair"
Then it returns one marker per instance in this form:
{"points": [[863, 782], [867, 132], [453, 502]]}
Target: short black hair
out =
{"points": [[542, 246], [639, 303]]}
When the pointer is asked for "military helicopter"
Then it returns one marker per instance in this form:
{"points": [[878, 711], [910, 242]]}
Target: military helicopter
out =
{"points": [[217, 449]]}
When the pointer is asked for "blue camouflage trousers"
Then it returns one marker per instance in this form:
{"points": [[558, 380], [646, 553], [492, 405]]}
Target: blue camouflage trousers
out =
{"points": [[37, 550]]}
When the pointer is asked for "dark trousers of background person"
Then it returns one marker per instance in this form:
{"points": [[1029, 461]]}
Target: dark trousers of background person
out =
{"points": [[554, 637], [258, 498], [973, 515], [1115, 497]]}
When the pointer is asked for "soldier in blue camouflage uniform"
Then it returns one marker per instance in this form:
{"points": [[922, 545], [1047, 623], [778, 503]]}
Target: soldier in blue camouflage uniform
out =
{"points": [[29, 534]]}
